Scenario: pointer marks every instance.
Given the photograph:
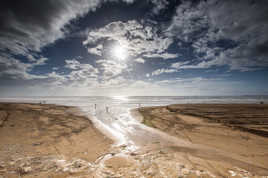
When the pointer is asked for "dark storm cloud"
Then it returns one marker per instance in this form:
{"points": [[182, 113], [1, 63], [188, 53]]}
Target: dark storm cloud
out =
{"points": [[29, 25]]}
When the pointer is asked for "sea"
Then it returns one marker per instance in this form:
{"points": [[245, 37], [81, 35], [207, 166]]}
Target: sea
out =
{"points": [[136, 101]]}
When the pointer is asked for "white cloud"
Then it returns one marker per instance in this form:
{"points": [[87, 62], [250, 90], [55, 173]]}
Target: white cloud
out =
{"points": [[42, 23], [188, 20], [80, 75], [161, 55], [135, 37], [81, 71], [110, 68], [161, 71], [242, 23], [96, 50], [15, 69], [140, 60], [72, 64], [177, 65], [159, 5]]}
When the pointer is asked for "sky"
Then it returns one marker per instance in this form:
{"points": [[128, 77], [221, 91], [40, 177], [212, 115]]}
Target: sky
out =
{"points": [[133, 47]]}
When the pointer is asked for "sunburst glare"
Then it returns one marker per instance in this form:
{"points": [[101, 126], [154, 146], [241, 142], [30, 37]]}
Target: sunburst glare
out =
{"points": [[119, 52]]}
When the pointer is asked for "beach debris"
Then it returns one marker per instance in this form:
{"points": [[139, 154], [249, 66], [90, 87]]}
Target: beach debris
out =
{"points": [[73, 166], [133, 154], [2, 167], [29, 165], [25, 170], [232, 173], [37, 144]]}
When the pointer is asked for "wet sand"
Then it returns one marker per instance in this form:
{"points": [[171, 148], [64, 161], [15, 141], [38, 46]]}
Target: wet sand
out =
{"points": [[237, 131]]}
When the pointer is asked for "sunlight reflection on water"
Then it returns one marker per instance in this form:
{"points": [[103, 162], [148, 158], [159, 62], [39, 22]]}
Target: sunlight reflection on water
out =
{"points": [[121, 98]]}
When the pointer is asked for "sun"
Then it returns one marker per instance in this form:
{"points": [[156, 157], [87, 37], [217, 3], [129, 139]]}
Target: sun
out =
{"points": [[119, 52]]}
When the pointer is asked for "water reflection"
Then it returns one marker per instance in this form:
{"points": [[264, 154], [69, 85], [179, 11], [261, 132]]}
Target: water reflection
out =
{"points": [[121, 98]]}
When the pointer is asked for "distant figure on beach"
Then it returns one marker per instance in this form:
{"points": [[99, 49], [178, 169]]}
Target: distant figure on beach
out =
{"points": [[261, 102], [95, 106], [107, 109], [42, 102]]}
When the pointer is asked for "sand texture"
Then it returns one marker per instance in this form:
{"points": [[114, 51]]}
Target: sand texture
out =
{"points": [[237, 130], [193, 140], [47, 141]]}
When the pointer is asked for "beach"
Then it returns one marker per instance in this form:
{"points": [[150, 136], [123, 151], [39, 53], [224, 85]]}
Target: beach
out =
{"points": [[178, 140], [47, 141], [239, 130]]}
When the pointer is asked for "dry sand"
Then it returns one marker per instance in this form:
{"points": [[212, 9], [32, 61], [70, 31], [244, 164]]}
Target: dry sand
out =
{"points": [[238, 130], [47, 141]]}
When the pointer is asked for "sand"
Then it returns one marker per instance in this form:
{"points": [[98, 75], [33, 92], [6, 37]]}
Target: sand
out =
{"points": [[237, 130], [48, 141], [194, 141]]}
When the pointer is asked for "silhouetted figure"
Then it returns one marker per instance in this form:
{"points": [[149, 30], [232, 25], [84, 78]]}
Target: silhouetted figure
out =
{"points": [[95, 106], [261, 102], [107, 109]]}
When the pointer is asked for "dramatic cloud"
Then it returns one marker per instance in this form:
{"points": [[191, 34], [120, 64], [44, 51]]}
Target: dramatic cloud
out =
{"points": [[79, 75], [29, 25], [81, 70], [231, 33], [15, 69], [138, 39], [133, 47], [110, 69]]}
